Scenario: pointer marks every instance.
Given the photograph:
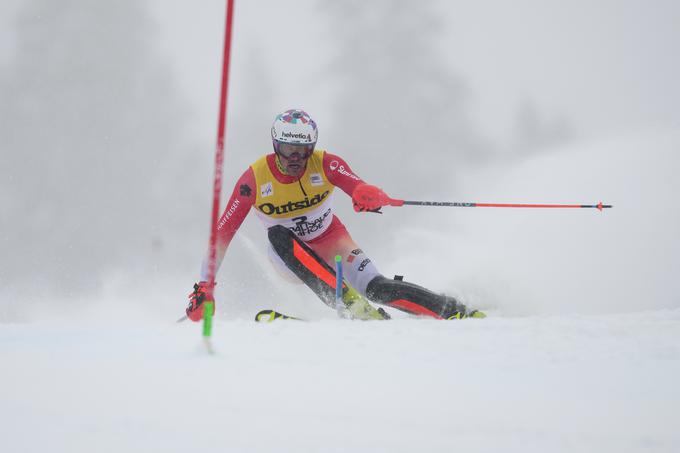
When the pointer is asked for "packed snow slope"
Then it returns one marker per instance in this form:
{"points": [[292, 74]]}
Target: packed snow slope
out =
{"points": [[581, 351], [600, 383]]}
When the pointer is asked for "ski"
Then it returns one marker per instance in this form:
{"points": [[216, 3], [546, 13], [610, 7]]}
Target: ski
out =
{"points": [[272, 315], [182, 319]]}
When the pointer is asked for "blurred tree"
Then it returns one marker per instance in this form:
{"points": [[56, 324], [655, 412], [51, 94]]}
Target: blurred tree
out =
{"points": [[535, 133], [94, 171], [402, 118], [398, 98]]}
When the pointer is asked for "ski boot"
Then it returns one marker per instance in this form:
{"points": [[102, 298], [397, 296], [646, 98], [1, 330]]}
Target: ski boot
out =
{"points": [[417, 300], [455, 310], [359, 308]]}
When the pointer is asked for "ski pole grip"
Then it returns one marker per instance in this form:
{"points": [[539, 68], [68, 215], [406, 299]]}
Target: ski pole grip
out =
{"points": [[395, 202]]}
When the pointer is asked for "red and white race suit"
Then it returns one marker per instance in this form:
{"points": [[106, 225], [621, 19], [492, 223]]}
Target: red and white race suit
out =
{"points": [[303, 204]]}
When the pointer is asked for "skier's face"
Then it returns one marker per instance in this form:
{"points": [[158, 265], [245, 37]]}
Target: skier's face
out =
{"points": [[293, 158]]}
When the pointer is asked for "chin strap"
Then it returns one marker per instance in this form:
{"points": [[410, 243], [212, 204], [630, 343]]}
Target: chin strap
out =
{"points": [[282, 169], [279, 165]]}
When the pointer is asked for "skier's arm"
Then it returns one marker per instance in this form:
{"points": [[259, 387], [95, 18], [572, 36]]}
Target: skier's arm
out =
{"points": [[340, 174], [365, 197], [238, 206]]}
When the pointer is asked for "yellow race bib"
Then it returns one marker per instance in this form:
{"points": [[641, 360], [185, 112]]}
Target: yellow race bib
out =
{"points": [[304, 206]]}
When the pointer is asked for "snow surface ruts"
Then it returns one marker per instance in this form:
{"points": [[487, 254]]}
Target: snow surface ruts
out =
{"points": [[526, 384]]}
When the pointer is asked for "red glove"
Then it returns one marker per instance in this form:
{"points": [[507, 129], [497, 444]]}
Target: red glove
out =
{"points": [[196, 299], [369, 198]]}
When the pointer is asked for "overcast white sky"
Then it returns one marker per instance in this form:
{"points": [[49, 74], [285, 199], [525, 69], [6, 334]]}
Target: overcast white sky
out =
{"points": [[608, 66]]}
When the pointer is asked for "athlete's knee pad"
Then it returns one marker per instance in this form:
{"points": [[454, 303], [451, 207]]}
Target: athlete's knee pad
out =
{"points": [[359, 270], [412, 298], [302, 261], [280, 266]]}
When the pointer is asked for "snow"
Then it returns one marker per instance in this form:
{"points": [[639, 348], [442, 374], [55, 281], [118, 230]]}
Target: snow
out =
{"points": [[526, 384]]}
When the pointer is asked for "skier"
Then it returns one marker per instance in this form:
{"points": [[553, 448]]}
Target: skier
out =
{"points": [[291, 191]]}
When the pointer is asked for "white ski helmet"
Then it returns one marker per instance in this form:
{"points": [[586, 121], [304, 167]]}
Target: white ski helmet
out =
{"points": [[294, 126]]}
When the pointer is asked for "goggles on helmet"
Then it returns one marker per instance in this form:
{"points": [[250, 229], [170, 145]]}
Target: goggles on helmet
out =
{"points": [[289, 150]]}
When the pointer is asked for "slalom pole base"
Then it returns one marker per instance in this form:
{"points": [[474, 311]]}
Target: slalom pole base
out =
{"points": [[207, 342], [208, 310]]}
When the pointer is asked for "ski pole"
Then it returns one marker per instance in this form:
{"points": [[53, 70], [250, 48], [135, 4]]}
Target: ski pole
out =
{"points": [[339, 304], [456, 204], [219, 151], [217, 176]]}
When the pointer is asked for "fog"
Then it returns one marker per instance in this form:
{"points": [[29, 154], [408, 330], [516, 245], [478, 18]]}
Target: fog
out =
{"points": [[108, 123]]}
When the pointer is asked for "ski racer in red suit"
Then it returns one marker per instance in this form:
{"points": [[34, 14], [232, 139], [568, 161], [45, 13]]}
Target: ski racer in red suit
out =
{"points": [[291, 191]]}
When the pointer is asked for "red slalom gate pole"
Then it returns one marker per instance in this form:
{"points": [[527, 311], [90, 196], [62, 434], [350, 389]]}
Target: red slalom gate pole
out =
{"points": [[219, 151], [455, 204]]}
